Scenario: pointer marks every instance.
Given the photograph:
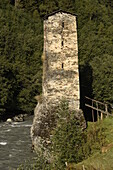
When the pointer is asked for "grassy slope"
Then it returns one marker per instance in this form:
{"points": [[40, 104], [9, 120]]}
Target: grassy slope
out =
{"points": [[100, 161]]}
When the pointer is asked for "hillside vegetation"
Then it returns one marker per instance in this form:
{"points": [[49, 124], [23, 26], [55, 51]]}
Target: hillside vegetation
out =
{"points": [[102, 159], [21, 46]]}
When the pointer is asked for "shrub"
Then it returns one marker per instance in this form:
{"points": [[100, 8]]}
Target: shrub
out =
{"points": [[70, 142], [39, 163], [68, 138]]}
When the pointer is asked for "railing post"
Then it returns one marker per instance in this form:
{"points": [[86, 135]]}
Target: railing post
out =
{"points": [[101, 116], [92, 112], [99, 108], [106, 109], [97, 111]]}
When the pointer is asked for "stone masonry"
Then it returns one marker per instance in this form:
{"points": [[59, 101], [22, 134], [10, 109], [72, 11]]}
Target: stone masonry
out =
{"points": [[60, 60], [60, 74]]}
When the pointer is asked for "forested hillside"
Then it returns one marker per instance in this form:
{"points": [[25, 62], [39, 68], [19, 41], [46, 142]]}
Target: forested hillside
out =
{"points": [[21, 46]]}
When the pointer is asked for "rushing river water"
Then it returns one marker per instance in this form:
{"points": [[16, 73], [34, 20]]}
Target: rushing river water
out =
{"points": [[15, 144]]}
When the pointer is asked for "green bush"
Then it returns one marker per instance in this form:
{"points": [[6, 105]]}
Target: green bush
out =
{"points": [[70, 142], [68, 138], [39, 163]]}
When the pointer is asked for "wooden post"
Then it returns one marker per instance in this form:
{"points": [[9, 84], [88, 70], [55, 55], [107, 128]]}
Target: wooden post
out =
{"points": [[100, 110], [101, 116], [92, 112], [97, 111], [106, 109]]}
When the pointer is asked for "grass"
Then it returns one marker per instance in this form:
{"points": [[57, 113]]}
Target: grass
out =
{"points": [[103, 159]]}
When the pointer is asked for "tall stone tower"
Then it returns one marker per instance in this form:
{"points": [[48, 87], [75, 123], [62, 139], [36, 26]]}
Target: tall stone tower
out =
{"points": [[60, 59], [60, 74]]}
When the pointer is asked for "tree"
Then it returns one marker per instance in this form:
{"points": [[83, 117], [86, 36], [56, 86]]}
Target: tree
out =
{"points": [[102, 78], [21, 43]]}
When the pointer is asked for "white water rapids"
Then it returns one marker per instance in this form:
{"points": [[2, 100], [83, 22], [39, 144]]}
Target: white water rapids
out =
{"points": [[15, 144]]}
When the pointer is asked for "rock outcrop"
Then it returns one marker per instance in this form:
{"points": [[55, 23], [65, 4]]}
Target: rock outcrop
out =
{"points": [[43, 123]]}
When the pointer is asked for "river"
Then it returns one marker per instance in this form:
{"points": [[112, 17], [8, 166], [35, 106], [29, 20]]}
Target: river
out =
{"points": [[15, 144]]}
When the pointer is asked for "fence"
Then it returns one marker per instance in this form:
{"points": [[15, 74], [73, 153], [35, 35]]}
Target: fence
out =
{"points": [[101, 108]]}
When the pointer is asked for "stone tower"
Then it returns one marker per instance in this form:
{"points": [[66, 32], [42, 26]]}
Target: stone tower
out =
{"points": [[60, 74], [60, 59]]}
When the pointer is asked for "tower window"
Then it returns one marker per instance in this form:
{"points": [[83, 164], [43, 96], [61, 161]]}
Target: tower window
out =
{"points": [[62, 65], [62, 43], [63, 24]]}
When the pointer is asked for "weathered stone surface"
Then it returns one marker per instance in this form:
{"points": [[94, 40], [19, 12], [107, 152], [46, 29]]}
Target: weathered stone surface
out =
{"points": [[60, 73], [43, 124]]}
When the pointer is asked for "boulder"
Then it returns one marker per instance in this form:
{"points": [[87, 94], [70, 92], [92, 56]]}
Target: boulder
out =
{"points": [[19, 118], [9, 120]]}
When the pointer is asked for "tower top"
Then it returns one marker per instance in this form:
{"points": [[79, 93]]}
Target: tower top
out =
{"points": [[61, 11]]}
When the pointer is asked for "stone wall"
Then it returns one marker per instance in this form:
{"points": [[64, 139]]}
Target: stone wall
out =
{"points": [[60, 64]]}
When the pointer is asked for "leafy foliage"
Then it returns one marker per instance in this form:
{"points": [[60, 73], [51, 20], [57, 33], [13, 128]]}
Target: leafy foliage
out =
{"points": [[68, 138], [20, 59], [71, 143], [103, 70], [39, 163]]}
